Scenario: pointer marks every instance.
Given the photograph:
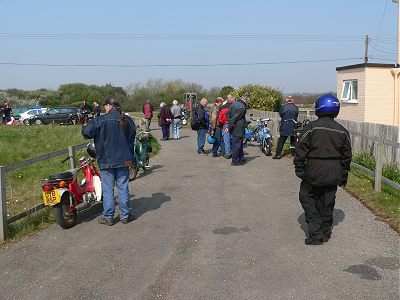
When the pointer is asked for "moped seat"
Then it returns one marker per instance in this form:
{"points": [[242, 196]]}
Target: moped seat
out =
{"points": [[67, 175]]}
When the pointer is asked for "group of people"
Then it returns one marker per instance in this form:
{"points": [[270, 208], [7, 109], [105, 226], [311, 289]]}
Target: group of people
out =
{"points": [[225, 124], [322, 156], [86, 109]]}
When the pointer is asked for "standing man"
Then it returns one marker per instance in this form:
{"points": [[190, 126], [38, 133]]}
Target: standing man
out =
{"points": [[177, 119], [215, 126], [288, 113], [223, 120], [114, 135], [237, 122], [96, 109], [322, 161], [202, 120], [7, 111], [148, 114]]}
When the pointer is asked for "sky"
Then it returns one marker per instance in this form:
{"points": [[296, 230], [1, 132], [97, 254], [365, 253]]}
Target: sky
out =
{"points": [[294, 46]]}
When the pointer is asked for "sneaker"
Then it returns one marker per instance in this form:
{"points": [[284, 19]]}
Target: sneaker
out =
{"points": [[229, 156], [129, 219], [277, 156], [105, 221], [201, 152], [214, 155], [311, 241]]}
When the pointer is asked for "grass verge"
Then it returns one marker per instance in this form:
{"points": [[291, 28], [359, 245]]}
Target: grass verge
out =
{"points": [[23, 189]]}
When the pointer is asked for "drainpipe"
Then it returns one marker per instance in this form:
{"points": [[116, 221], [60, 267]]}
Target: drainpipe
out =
{"points": [[396, 111]]}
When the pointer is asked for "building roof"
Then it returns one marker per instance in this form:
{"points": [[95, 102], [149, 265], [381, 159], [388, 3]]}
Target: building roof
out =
{"points": [[366, 65]]}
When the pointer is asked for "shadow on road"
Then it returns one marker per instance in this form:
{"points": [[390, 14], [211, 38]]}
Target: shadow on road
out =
{"points": [[338, 216], [145, 204], [88, 215]]}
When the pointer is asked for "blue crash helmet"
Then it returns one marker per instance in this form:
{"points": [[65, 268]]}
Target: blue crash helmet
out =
{"points": [[327, 105], [211, 139]]}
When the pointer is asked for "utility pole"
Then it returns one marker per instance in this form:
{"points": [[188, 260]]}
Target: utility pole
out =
{"points": [[366, 49]]}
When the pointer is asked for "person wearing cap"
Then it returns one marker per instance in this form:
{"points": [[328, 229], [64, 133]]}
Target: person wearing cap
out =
{"points": [[237, 122], [288, 113], [114, 134], [215, 126]]}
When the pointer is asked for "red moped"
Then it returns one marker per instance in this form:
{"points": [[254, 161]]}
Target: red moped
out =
{"points": [[67, 197]]}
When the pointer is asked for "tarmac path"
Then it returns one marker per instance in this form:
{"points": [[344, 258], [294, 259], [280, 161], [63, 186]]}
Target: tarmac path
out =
{"points": [[207, 230]]}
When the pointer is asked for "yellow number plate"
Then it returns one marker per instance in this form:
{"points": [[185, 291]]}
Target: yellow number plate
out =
{"points": [[51, 197]]}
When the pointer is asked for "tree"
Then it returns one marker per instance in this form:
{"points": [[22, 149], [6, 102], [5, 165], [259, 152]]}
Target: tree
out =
{"points": [[262, 97], [226, 90]]}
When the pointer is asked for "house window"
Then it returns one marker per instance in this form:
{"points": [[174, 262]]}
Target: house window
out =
{"points": [[350, 91]]}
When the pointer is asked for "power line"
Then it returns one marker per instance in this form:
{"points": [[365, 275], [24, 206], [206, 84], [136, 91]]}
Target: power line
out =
{"points": [[176, 65], [142, 36], [383, 51], [383, 17]]}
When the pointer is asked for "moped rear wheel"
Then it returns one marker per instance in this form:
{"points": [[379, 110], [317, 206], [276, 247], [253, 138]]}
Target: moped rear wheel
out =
{"points": [[63, 214], [133, 171]]}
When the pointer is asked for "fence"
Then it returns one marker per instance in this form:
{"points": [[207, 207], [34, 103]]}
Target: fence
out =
{"points": [[382, 141], [4, 220]]}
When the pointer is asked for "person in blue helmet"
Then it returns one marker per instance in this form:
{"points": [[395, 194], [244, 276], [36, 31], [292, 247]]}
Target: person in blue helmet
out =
{"points": [[322, 162]]}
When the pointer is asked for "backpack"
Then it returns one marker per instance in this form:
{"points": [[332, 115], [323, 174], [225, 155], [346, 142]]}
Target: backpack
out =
{"points": [[194, 121]]}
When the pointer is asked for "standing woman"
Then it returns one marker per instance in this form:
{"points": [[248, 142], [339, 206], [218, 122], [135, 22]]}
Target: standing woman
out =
{"points": [[165, 118], [177, 117]]}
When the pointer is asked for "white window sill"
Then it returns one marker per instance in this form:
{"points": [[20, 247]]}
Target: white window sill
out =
{"points": [[349, 101]]}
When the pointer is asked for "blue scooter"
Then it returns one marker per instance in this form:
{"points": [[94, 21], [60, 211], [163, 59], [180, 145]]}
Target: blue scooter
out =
{"points": [[260, 133]]}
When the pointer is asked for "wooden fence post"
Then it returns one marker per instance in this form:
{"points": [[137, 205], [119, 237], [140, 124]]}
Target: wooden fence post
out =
{"points": [[3, 205], [71, 154], [379, 160]]}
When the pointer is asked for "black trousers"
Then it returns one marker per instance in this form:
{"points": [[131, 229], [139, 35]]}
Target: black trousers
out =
{"points": [[281, 143], [237, 149], [318, 203]]}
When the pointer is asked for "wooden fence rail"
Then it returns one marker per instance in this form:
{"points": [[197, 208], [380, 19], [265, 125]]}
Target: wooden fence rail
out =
{"points": [[4, 221]]}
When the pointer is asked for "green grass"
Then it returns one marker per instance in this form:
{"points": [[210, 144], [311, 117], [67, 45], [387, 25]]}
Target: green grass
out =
{"points": [[23, 185], [385, 204]]}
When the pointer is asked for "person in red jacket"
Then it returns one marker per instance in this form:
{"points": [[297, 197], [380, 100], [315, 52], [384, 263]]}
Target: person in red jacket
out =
{"points": [[223, 120]]}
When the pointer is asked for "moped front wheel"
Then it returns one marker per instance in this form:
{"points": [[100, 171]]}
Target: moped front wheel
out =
{"points": [[145, 164], [133, 171], [268, 147], [64, 215]]}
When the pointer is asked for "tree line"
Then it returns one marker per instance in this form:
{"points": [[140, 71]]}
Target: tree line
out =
{"points": [[135, 95]]}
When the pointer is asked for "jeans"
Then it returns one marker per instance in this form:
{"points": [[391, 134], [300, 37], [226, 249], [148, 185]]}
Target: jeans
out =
{"points": [[217, 144], [237, 149], [121, 177], [165, 131], [201, 139], [176, 123], [227, 140]]}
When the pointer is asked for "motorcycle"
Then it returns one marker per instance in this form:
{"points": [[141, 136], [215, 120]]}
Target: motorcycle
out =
{"points": [[142, 149], [297, 131], [185, 117], [265, 137], [66, 196], [261, 134]]}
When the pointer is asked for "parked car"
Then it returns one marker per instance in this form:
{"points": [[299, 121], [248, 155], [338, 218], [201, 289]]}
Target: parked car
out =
{"points": [[25, 116], [59, 115], [17, 111]]}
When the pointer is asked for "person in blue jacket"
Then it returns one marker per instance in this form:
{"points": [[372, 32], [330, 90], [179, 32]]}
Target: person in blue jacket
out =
{"points": [[288, 113], [114, 135]]}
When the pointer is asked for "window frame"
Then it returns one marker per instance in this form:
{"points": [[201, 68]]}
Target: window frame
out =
{"points": [[350, 97]]}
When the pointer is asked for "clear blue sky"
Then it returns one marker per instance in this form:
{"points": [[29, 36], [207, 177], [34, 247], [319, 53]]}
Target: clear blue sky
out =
{"points": [[162, 32]]}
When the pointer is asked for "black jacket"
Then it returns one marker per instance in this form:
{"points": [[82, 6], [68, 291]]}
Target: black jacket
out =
{"points": [[323, 153], [288, 112], [202, 116], [236, 116]]}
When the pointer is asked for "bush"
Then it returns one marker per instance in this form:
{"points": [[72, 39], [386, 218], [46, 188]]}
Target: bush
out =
{"points": [[262, 97]]}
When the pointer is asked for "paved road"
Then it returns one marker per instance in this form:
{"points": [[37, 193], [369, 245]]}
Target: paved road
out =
{"points": [[207, 230]]}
